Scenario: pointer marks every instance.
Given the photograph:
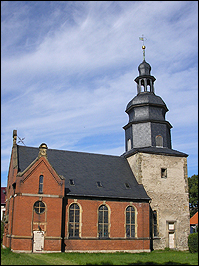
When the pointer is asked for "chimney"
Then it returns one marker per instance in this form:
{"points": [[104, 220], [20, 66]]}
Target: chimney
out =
{"points": [[14, 137]]}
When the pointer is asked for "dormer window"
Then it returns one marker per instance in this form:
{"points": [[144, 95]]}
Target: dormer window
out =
{"points": [[127, 185], [99, 184], [41, 180], [72, 182]]}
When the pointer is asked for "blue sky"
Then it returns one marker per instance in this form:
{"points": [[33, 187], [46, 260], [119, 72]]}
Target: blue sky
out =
{"points": [[68, 70]]}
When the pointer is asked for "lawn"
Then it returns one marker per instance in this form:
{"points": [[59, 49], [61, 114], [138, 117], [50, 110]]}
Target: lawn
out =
{"points": [[118, 258]]}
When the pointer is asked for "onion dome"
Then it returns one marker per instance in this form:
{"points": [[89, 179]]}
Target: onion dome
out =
{"points": [[144, 69]]}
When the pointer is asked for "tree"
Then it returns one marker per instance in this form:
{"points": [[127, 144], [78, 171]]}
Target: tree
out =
{"points": [[193, 194]]}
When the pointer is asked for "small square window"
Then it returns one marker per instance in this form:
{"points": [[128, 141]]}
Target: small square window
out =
{"points": [[163, 173], [171, 226]]}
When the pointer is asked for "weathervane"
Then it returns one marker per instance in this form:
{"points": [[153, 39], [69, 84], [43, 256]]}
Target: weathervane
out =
{"points": [[143, 46], [21, 140]]}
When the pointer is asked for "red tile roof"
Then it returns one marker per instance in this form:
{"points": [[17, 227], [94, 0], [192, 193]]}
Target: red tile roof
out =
{"points": [[194, 219], [3, 196]]}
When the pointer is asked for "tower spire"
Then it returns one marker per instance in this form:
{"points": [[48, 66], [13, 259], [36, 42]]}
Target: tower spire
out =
{"points": [[143, 46]]}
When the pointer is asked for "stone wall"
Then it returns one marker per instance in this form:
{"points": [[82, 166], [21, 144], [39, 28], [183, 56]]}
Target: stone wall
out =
{"points": [[169, 195]]}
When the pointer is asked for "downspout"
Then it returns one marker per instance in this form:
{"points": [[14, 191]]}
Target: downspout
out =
{"points": [[63, 219], [151, 227], [143, 205]]}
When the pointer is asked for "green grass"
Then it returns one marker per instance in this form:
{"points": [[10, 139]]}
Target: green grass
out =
{"points": [[118, 258]]}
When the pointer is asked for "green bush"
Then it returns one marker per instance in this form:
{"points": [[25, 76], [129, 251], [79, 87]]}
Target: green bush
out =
{"points": [[193, 242]]}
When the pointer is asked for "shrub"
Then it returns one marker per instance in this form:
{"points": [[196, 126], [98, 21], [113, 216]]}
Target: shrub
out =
{"points": [[193, 242]]}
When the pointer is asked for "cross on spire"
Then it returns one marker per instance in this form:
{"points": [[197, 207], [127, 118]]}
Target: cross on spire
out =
{"points": [[143, 46]]}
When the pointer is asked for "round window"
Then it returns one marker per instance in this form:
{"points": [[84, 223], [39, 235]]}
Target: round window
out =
{"points": [[39, 207]]}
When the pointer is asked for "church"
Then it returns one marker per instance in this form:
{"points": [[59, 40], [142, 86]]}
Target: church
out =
{"points": [[66, 201]]}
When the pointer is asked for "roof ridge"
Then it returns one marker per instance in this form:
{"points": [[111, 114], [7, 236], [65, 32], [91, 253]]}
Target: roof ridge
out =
{"points": [[82, 152]]}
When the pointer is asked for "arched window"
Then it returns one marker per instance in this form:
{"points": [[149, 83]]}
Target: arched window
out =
{"points": [[41, 182], [155, 223], [74, 220], [159, 141], [142, 88], [128, 144], [130, 222], [103, 222]]}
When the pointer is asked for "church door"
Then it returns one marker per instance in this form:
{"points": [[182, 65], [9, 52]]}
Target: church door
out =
{"points": [[171, 239], [171, 234], [38, 241]]}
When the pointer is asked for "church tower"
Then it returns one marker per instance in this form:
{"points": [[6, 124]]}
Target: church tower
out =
{"points": [[147, 126], [160, 169]]}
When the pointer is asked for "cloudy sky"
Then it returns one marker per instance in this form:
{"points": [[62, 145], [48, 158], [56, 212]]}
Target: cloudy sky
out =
{"points": [[68, 70]]}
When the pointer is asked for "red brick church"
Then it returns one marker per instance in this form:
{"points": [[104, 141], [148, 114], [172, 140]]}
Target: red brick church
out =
{"points": [[62, 201]]}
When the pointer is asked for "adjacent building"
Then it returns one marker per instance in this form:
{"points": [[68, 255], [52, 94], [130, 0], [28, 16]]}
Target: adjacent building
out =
{"points": [[194, 223], [3, 203]]}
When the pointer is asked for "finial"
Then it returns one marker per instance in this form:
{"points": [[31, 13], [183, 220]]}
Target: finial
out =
{"points": [[43, 150], [143, 46]]}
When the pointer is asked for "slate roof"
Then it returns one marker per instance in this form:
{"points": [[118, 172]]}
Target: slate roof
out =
{"points": [[155, 150], [86, 169], [146, 98]]}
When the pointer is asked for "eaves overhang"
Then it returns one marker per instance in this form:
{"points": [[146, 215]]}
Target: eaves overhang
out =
{"points": [[155, 150], [108, 197], [128, 109], [146, 121], [144, 76]]}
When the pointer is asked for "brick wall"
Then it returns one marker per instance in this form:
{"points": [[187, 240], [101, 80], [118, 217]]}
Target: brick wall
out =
{"points": [[117, 238], [24, 220]]}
